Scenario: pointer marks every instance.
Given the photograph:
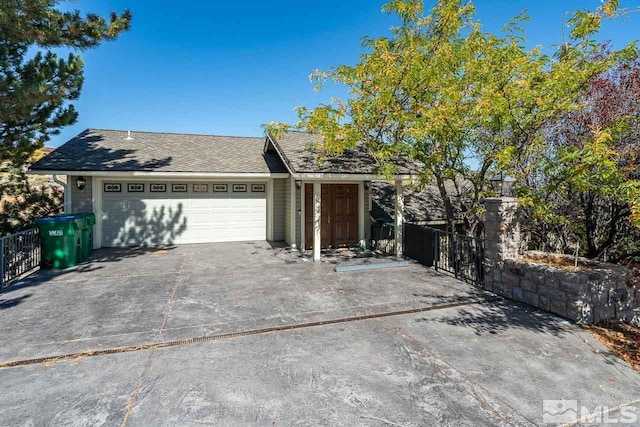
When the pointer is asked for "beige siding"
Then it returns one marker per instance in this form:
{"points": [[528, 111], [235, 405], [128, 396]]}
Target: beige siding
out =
{"points": [[287, 208], [299, 217], [280, 209], [80, 200]]}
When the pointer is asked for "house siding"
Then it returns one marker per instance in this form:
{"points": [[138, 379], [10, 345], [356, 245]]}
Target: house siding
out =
{"points": [[80, 200], [287, 207], [279, 208], [299, 217]]}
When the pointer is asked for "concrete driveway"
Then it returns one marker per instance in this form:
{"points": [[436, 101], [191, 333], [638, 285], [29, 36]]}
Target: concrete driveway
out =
{"points": [[460, 358]]}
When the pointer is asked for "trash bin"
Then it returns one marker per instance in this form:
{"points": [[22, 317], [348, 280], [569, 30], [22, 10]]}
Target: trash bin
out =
{"points": [[86, 221], [60, 241]]}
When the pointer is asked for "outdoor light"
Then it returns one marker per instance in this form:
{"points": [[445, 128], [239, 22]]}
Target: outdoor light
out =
{"points": [[367, 185], [503, 184], [81, 183], [298, 184]]}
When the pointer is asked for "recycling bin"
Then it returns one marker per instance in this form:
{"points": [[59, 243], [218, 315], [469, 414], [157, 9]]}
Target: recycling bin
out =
{"points": [[61, 241], [85, 221]]}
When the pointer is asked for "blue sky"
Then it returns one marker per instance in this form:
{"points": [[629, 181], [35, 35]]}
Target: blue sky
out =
{"points": [[227, 67]]}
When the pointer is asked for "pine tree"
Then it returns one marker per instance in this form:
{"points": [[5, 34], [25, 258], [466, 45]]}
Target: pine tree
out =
{"points": [[37, 86]]}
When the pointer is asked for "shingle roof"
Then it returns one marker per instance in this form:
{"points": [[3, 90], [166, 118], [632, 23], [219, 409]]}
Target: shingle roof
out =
{"points": [[421, 205], [109, 150], [301, 156]]}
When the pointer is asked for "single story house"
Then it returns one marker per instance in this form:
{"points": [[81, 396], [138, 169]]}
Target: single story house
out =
{"points": [[149, 188]]}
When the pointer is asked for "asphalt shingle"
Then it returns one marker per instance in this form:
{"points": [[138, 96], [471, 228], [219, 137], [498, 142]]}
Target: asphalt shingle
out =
{"points": [[299, 151], [110, 150]]}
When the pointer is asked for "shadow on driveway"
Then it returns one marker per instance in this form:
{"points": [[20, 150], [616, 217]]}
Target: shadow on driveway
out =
{"points": [[499, 317], [97, 261]]}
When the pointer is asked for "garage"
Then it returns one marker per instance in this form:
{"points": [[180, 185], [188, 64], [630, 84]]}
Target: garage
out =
{"points": [[174, 212]]}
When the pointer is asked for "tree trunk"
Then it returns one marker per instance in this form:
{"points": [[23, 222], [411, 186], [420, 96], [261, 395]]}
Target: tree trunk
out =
{"points": [[446, 200]]}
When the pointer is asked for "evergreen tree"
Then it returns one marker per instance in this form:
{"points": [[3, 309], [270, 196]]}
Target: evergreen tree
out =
{"points": [[37, 86]]}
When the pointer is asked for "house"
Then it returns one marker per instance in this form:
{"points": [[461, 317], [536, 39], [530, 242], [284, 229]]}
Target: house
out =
{"points": [[149, 188]]}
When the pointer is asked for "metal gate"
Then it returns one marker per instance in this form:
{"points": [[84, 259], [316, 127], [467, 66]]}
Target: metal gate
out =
{"points": [[455, 253]]}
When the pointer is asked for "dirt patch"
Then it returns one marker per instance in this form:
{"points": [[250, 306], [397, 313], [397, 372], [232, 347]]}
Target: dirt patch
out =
{"points": [[560, 262], [621, 338]]}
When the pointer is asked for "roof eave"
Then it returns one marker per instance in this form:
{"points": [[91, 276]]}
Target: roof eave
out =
{"points": [[161, 174], [311, 176]]}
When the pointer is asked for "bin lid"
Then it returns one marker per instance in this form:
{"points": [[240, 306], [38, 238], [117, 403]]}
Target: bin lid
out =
{"points": [[54, 219]]}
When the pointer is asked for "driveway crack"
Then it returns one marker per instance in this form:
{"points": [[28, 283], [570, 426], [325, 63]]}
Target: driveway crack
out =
{"points": [[147, 366], [487, 400]]}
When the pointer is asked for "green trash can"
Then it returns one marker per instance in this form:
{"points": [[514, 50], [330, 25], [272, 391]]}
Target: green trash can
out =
{"points": [[60, 241], [85, 221]]}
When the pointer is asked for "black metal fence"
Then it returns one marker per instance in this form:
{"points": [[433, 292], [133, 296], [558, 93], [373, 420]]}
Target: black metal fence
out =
{"points": [[20, 253], [455, 253]]}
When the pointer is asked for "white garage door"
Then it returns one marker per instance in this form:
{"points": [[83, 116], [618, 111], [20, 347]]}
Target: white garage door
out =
{"points": [[151, 213]]}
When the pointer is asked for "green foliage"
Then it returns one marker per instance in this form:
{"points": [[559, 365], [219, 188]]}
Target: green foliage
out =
{"points": [[36, 85], [22, 202], [444, 92]]}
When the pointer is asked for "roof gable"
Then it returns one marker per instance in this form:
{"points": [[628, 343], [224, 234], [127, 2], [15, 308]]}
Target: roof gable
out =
{"points": [[298, 152]]}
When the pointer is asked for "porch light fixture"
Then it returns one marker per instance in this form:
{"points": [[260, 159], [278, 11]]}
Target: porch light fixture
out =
{"points": [[298, 184], [81, 183], [367, 185], [503, 184]]}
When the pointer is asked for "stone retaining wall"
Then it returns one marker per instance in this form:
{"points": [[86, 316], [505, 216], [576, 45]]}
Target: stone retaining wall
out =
{"points": [[593, 293]]}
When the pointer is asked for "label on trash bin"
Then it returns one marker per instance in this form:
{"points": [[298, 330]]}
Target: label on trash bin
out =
{"points": [[55, 233]]}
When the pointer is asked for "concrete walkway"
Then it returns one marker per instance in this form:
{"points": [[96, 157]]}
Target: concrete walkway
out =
{"points": [[477, 364]]}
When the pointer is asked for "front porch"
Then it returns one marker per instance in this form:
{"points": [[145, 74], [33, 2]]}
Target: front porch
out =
{"points": [[327, 213]]}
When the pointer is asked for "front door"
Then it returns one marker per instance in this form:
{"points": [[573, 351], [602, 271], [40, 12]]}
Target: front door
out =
{"points": [[338, 217]]}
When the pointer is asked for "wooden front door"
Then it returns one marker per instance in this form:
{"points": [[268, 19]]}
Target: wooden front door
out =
{"points": [[338, 217]]}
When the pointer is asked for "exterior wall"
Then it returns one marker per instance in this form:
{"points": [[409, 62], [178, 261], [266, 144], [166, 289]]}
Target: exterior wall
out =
{"points": [[287, 208], [80, 200], [299, 217], [280, 208], [595, 293]]}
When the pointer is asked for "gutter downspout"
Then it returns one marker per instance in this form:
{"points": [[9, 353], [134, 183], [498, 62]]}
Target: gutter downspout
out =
{"points": [[67, 195]]}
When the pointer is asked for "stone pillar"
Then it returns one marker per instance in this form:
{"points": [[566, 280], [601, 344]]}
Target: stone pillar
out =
{"points": [[502, 237]]}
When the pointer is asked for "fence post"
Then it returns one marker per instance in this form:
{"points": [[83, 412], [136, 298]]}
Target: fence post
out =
{"points": [[436, 248], [456, 252]]}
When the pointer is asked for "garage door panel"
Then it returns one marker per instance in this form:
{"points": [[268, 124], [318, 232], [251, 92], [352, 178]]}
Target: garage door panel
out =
{"points": [[131, 219]]}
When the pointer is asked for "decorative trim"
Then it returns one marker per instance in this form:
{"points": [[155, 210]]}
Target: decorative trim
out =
{"points": [[136, 187], [200, 188], [158, 188], [239, 188], [220, 188], [258, 188], [179, 188], [112, 187]]}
